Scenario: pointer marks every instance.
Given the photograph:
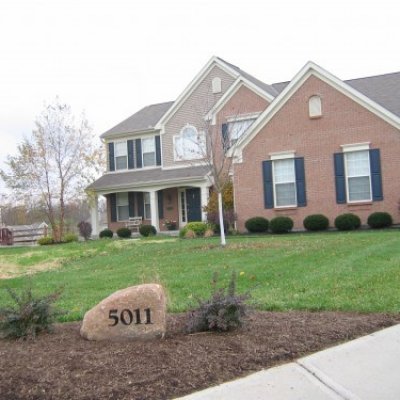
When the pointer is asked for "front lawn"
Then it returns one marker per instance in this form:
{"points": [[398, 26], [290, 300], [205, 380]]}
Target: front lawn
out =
{"points": [[356, 271]]}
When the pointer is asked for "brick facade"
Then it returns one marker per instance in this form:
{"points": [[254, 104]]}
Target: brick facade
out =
{"points": [[343, 122]]}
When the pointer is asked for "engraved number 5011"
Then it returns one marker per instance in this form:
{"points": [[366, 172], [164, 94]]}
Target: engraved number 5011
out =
{"points": [[127, 316]]}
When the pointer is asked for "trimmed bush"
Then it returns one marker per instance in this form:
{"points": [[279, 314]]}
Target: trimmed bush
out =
{"points": [[209, 233], [347, 222], [106, 233], [257, 224], [147, 230], [199, 228], [223, 311], [44, 241], [124, 233], [379, 220], [29, 315], [189, 234], [281, 224], [316, 222], [70, 237], [85, 229]]}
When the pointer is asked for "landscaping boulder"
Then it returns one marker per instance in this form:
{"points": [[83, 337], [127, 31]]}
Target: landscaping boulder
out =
{"points": [[137, 312]]}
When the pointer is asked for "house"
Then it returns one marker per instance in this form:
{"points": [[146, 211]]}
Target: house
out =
{"points": [[315, 144]]}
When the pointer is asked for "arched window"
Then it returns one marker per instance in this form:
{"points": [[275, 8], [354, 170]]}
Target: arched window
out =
{"points": [[189, 144], [314, 107], [216, 85]]}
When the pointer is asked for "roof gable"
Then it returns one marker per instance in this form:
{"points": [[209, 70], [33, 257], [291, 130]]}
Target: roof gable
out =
{"points": [[288, 90], [267, 90]]}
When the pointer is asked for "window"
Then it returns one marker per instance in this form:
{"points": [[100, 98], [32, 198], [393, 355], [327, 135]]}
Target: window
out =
{"points": [[237, 128], [314, 107], [147, 207], [358, 176], [122, 207], [121, 157], [149, 152], [216, 85], [284, 177], [284, 181], [189, 144]]}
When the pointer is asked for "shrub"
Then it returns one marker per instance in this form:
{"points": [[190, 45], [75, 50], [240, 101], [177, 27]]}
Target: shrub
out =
{"points": [[223, 311], [45, 240], [85, 229], [29, 316], [347, 222], [124, 233], [379, 220], [316, 222], [209, 233], [70, 237], [147, 230], [199, 228], [281, 224], [257, 224], [189, 234], [106, 233]]}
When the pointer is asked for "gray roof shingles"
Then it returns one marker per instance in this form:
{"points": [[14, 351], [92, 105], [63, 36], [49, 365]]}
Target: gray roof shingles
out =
{"points": [[383, 89], [140, 177], [143, 120]]}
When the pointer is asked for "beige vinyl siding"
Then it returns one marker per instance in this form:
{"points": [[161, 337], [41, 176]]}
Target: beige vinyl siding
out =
{"points": [[192, 111]]}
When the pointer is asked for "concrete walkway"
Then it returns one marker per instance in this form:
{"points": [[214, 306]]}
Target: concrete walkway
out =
{"points": [[367, 368]]}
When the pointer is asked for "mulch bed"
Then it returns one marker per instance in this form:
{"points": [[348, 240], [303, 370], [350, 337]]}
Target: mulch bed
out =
{"points": [[62, 365]]}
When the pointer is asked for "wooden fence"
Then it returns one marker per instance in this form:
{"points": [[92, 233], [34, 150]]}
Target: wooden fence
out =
{"points": [[24, 234]]}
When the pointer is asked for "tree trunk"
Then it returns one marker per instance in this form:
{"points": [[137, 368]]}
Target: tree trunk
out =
{"points": [[221, 219]]}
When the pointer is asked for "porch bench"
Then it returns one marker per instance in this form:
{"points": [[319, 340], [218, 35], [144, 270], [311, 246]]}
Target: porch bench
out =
{"points": [[134, 223]]}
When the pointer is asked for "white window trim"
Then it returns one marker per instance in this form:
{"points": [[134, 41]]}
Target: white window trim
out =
{"points": [[242, 117], [274, 183], [347, 178], [175, 137], [155, 151], [144, 205], [281, 155], [349, 148], [115, 154]]}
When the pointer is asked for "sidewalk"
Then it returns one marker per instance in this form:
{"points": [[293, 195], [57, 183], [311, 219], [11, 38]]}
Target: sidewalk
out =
{"points": [[367, 368]]}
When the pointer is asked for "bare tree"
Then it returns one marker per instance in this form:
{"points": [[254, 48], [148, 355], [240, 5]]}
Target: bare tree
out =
{"points": [[56, 163], [215, 148]]}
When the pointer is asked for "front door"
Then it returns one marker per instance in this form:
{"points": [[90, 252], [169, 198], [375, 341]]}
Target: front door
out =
{"points": [[193, 204]]}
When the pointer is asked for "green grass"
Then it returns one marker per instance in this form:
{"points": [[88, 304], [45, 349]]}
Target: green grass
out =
{"points": [[356, 271]]}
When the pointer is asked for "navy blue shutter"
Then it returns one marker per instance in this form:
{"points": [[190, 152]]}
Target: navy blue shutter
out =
{"points": [[138, 145], [300, 182], [268, 184], [340, 179], [111, 161], [158, 150], [113, 206], [131, 203], [160, 204], [131, 157], [376, 177], [140, 204], [224, 137]]}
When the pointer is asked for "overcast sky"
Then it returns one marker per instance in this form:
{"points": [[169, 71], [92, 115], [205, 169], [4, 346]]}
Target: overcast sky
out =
{"points": [[111, 58]]}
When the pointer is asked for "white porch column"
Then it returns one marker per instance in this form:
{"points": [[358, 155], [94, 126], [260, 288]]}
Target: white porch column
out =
{"points": [[94, 215], [154, 209], [204, 193]]}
